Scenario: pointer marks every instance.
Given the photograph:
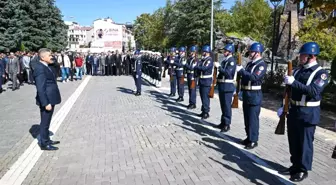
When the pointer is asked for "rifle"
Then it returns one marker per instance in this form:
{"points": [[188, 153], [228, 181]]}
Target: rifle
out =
{"points": [[214, 79], [193, 82], [334, 153], [280, 129], [235, 96], [171, 68]]}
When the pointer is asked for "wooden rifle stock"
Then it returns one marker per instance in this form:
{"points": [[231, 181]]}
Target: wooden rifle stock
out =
{"points": [[235, 102], [280, 129], [214, 79], [193, 82]]}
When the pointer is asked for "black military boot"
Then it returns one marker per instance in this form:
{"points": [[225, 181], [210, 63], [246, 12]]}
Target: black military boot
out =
{"points": [[226, 128], [205, 116], [191, 106], [138, 94]]}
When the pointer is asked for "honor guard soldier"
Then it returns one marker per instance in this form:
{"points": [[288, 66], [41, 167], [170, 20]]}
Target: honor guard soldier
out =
{"points": [[158, 69], [226, 87], [251, 81], [307, 84], [137, 72], [171, 71], [205, 69], [179, 70], [191, 77]]}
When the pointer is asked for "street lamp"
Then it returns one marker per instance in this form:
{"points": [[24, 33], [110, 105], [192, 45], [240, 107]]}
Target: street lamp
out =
{"points": [[275, 3], [211, 29]]}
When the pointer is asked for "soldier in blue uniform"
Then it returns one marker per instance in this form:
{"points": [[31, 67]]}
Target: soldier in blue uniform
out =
{"points": [[171, 71], [251, 81], [137, 72], [191, 77], [205, 69], [179, 70], [307, 84], [226, 87]]}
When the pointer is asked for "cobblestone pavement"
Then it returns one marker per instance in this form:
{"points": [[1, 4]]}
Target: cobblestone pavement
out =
{"points": [[19, 120], [112, 137]]}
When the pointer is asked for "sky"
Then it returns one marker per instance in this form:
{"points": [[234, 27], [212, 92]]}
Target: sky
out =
{"points": [[85, 12]]}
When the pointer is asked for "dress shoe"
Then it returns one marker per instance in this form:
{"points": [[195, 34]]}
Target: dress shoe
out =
{"points": [[51, 142], [298, 177], [137, 94], [287, 171], [180, 100], [192, 106], [245, 141], [226, 128], [1, 90], [205, 116], [171, 95], [48, 147], [251, 145], [200, 115]]}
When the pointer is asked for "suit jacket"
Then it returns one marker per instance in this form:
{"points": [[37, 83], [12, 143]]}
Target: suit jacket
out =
{"points": [[46, 86], [13, 65]]}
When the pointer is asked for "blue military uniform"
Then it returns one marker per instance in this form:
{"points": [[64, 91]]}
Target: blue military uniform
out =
{"points": [[251, 82], [171, 72], [205, 80], [304, 112], [191, 76], [226, 87], [137, 73], [179, 70]]}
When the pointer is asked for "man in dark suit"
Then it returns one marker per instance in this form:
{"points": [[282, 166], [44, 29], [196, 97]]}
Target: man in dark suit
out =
{"points": [[13, 69], [47, 96]]}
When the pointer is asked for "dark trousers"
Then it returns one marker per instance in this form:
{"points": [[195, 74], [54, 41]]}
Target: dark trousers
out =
{"points": [[251, 120], [118, 70], [173, 84], [71, 72], [1, 81], [300, 139], [88, 69], [204, 92], [180, 87], [109, 70], [225, 99], [114, 70], [137, 80], [45, 124], [192, 93], [126, 69], [95, 69]]}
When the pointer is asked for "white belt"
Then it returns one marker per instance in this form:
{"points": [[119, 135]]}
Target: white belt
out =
{"points": [[179, 69], [224, 81], [206, 76], [157, 67], [189, 71], [306, 104], [252, 88]]}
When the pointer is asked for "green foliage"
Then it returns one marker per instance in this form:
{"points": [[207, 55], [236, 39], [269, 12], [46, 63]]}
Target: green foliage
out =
{"points": [[31, 23], [326, 38], [22, 47]]}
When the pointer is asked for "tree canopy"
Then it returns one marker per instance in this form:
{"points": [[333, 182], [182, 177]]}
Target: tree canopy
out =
{"points": [[30, 25]]}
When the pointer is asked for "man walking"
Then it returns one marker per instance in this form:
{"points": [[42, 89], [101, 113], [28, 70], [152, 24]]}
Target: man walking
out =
{"points": [[13, 69], [47, 97]]}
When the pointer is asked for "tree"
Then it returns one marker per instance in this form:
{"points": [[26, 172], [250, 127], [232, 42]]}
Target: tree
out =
{"points": [[33, 23], [325, 37]]}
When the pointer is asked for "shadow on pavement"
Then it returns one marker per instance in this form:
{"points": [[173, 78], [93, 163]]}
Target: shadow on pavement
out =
{"points": [[125, 90], [248, 168]]}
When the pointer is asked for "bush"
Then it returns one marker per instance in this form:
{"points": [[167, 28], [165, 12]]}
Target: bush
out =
{"points": [[275, 81]]}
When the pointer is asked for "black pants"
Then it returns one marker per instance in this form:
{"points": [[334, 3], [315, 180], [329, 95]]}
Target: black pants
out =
{"points": [[114, 70], [88, 69], [45, 124]]}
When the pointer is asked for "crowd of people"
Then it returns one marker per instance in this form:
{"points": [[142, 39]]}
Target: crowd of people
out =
{"points": [[68, 66]]}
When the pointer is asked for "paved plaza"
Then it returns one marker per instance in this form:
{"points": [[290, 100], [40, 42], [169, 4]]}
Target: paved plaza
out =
{"points": [[110, 137]]}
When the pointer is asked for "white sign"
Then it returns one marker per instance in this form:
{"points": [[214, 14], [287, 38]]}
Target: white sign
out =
{"points": [[107, 35]]}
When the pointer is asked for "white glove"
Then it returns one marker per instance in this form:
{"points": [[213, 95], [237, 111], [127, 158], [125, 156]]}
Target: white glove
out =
{"points": [[239, 68], [217, 64], [184, 62], [171, 61], [289, 80], [279, 112]]}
